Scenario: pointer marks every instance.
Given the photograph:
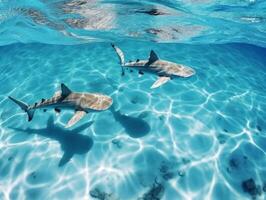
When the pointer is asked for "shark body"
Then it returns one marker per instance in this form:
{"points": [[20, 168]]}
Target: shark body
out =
{"points": [[165, 70], [82, 103]]}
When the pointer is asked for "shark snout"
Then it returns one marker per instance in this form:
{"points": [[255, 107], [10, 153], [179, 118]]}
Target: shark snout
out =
{"points": [[189, 72], [185, 72]]}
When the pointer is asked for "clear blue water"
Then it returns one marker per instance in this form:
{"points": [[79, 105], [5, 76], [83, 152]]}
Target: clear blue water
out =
{"points": [[203, 137]]}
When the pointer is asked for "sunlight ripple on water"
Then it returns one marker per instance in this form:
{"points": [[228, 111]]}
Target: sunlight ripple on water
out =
{"points": [[201, 137]]}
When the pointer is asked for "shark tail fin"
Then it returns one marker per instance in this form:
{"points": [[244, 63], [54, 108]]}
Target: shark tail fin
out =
{"points": [[24, 107], [121, 57]]}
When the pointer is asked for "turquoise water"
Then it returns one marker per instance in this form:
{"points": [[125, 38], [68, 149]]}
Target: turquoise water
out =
{"points": [[201, 137]]}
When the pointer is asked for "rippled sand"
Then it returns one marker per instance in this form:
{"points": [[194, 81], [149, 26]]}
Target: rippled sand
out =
{"points": [[196, 138]]}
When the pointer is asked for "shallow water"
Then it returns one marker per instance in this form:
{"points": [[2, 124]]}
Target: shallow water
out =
{"points": [[201, 137]]}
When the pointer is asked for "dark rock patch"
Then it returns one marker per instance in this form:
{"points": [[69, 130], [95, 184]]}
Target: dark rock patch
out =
{"points": [[161, 118], [117, 143], [185, 160], [154, 193], [164, 168], [34, 175], [169, 175], [221, 138], [181, 173], [98, 194], [249, 186], [134, 100], [264, 187], [259, 128], [234, 163]]}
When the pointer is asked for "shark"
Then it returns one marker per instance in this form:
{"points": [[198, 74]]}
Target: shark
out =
{"points": [[81, 103], [165, 70]]}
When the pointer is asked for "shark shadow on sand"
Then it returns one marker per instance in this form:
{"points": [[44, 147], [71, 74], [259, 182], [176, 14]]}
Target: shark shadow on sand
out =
{"points": [[135, 127], [70, 140]]}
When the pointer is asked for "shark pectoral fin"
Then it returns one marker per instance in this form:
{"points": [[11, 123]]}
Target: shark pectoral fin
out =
{"points": [[76, 117], [160, 81]]}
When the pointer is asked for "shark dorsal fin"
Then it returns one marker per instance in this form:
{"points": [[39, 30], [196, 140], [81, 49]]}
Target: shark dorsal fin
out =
{"points": [[65, 91], [153, 57]]}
